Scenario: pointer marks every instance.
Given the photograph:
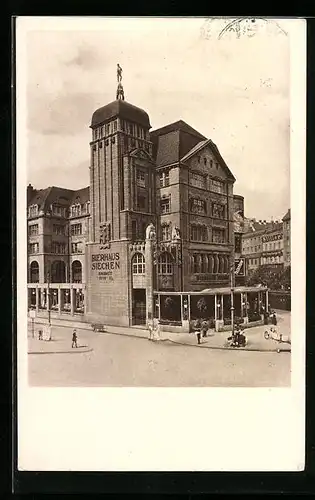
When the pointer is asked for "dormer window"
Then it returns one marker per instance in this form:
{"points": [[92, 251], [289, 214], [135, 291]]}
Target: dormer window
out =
{"points": [[75, 210], [58, 210], [33, 210]]}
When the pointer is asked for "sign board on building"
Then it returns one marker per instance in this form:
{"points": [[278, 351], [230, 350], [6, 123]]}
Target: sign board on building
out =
{"points": [[239, 267], [105, 264]]}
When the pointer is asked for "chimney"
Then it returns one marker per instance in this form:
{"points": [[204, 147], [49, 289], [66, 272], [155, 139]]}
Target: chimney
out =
{"points": [[30, 193]]}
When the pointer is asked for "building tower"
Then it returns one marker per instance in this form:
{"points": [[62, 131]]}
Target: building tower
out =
{"points": [[122, 191], [121, 170]]}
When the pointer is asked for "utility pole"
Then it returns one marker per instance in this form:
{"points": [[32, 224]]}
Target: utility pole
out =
{"points": [[232, 285]]}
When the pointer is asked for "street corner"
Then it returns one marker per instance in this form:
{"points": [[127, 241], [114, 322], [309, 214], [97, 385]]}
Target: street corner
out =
{"points": [[56, 346]]}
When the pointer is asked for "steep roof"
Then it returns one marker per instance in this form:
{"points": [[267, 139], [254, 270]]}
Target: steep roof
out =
{"points": [[178, 125], [45, 197], [209, 143], [81, 195], [287, 215], [122, 109]]}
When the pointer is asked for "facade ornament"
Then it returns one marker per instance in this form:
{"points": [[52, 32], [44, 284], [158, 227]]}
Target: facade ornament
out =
{"points": [[150, 233], [175, 233], [119, 73], [105, 235]]}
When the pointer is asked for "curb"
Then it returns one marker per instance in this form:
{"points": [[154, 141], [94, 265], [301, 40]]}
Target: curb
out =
{"points": [[73, 351], [228, 348]]}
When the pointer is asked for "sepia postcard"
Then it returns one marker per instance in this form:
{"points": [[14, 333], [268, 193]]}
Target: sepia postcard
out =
{"points": [[161, 243]]}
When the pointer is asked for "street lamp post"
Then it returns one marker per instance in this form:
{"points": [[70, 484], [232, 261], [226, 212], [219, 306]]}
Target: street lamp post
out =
{"points": [[232, 284], [48, 298]]}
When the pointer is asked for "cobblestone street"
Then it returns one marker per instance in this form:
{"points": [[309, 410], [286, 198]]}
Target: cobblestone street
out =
{"points": [[107, 359]]}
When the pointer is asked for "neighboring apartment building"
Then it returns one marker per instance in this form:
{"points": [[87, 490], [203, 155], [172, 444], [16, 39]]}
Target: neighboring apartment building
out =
{"points": [[287, 239], [252, 243], [272, 246]]}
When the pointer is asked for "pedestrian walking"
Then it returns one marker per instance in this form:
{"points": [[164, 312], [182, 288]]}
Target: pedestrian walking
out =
{"points": [[274, 319], [74, 339], [156, 329], [204, 328], [197, 329], [40, 334], [150, 328]]}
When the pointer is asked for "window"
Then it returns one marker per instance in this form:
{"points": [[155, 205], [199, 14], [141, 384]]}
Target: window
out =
{"points": [[198, 180], [141, 202], [107, 129], [58, 229], [198, 232], [165, 265], [218, 211], [58, 248], [33, 248], [198, 206], [33, 210], [58, 210], [211, 163], [138, 264], [205, 161], [165, 232], [75, 210], [130, 128], [140, 178], [76, 247], [217, 186], [199, 159], [217, 166], [75, 229], [33, 229], [165, 205], [218, 235], [115, 126], [164, 178]]}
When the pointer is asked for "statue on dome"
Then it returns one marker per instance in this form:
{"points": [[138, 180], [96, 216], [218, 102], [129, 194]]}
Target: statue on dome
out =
{"points": [[119, 73], [150, 233]]}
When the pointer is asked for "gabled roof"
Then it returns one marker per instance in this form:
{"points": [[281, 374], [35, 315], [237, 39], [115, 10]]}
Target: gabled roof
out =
{"points": [[208, 143], [46, 197], [287, 215]]}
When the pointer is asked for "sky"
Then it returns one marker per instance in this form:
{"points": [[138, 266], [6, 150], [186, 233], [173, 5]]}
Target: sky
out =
{"points": [[233, 90]]}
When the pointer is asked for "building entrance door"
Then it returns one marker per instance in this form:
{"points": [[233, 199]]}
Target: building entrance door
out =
{"points": [[138, 306]]}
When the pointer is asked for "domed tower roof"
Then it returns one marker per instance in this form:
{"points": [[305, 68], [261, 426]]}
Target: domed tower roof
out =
{"points": [[122, 109]]}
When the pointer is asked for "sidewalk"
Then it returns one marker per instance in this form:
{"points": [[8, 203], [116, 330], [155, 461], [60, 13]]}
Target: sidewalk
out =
{"points": [[57, 345], [255, 337]]}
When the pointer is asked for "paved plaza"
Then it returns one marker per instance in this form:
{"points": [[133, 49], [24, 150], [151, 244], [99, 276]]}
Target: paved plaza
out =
{"points": [[124, 357]]}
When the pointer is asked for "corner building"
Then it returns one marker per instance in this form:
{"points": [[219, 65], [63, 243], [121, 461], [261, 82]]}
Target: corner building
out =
{"points": [[159, 237], [173, 178]]}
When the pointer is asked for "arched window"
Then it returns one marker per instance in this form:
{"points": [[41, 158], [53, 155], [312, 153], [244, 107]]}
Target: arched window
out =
{"points": [[138, 264], [226, 265], [34, 272], [76, 272], [195, 264], [210, 264], [165, 264], [204, 268]]}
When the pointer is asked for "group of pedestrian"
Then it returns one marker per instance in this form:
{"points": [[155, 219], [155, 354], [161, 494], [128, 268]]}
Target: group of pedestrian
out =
{"points": [[154, 329], [270, 317], [200, 328]]}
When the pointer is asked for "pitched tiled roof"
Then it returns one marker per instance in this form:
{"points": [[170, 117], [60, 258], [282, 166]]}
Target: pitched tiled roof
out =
{"points": [[45, 197], [213, 147], [173, 141], [287, 215], [82, 195], [123, 109]]}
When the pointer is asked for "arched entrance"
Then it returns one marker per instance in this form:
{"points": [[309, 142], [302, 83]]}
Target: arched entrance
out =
{"points": [[34, 272], [76, 271], [58, 272]]}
